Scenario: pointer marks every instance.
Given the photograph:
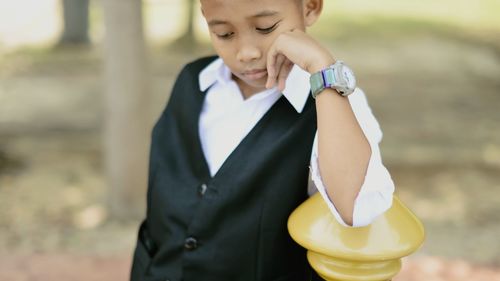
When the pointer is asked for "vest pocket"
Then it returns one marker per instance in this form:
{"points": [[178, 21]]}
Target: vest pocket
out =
{"points": [[141, 259]]}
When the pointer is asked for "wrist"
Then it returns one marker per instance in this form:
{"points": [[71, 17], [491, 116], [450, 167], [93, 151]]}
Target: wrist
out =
{"points": [[320, 64], [337, 76]]}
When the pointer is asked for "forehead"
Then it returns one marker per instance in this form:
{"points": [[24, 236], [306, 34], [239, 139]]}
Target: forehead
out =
{"points": [[245, 8]]}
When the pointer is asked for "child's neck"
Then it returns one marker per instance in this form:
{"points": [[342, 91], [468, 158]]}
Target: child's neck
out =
{"points": [[246, 90], [247, 94]]}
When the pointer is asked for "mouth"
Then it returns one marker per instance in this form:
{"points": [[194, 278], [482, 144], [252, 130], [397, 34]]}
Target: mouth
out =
{"points": [[255, 74]]}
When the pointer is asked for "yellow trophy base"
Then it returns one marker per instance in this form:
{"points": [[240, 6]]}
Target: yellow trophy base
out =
{"points": [[370, 253]]}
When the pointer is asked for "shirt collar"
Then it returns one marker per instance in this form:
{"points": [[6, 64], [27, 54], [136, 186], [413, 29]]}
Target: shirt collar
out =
{"points": [[297, 84]]}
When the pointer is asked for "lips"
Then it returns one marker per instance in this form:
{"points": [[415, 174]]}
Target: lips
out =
{"points": [[255, 74]]}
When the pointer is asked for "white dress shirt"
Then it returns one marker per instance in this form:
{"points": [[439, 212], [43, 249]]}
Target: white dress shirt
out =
{"points": [[226, 113]]}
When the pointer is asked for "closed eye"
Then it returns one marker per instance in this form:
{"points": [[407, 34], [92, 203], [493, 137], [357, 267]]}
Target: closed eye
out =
{"points": [[225, 36], [269, 29]]}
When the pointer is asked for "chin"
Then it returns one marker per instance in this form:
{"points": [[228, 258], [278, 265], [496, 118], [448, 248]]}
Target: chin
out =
{"points": [[261, 83], [254, 83]]}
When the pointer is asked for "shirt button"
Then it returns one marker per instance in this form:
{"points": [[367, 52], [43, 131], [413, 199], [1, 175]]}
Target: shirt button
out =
{"points": [[190, 243], [202, 189]]}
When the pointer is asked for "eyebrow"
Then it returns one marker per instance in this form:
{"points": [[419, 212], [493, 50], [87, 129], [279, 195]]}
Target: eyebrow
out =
{"points": [[265, 13]]}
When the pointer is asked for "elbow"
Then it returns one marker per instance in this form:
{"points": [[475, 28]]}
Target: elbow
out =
{"points": [[348, 219], [370, 206], [344, 204]]}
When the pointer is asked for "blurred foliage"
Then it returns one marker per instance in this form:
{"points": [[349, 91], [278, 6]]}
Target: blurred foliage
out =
{"points": [[461, 13]]}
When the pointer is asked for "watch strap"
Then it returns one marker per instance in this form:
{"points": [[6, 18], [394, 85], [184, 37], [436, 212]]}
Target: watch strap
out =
{"points": [[321, 80], [317, 83]]}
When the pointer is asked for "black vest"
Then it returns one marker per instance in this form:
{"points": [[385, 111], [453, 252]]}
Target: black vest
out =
{"points": [[232, 226]]}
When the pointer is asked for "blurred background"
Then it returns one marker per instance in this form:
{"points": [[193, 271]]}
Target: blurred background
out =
{"points": [[83, 81]]}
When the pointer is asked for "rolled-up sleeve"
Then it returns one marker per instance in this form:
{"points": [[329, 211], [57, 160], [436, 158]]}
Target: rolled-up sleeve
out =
{"points": [[375, 195]]}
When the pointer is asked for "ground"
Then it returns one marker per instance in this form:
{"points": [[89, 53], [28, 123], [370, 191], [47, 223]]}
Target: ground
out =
{"points": [[436, 96]]}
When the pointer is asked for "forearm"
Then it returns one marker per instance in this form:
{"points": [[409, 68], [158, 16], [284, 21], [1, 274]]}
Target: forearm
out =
{"points": [[343, 151]]}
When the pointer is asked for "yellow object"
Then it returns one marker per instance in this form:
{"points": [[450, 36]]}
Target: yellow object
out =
{"points": [[367, 253]]}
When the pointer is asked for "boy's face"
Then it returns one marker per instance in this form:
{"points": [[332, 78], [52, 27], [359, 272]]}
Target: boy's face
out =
{"points": [[243, 30]]}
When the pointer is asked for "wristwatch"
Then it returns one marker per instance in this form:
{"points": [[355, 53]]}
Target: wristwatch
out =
{"points": [[337, 76]]}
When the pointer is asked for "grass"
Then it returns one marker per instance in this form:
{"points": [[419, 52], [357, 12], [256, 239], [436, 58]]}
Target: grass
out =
{"points": [[482, 14]]}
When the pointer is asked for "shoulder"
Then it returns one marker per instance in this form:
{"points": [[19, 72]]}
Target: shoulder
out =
{"points": [[188, 78], [194, 67]]}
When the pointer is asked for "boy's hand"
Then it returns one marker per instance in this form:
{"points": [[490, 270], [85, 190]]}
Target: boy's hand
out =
{"points": [[294, 47]]}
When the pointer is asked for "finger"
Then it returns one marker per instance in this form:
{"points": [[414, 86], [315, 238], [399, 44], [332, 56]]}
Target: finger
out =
{"points": [[275, 68], [270, 66], [280, 59], [284, 72]]}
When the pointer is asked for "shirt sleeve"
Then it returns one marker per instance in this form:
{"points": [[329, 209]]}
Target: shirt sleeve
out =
{"points": [[375, 195]]}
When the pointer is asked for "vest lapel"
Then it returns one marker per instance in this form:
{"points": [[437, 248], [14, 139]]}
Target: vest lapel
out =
{"points": [[198, 150]]}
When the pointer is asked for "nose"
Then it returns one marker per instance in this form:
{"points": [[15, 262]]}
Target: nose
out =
{"points": [[248, 53]]}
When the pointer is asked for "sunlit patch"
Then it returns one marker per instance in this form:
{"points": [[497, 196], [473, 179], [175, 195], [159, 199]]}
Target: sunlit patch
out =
{"points": [[90, 217]]}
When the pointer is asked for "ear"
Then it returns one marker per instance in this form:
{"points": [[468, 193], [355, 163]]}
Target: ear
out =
{"points": [[312, 10]]}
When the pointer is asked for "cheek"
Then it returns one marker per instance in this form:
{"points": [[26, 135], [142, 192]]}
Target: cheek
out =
{"points": [[266, 46], [223, 50], [266, 41]]}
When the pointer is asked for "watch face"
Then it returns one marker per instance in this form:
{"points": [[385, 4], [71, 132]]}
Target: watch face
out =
{"points": [[349, 77]]}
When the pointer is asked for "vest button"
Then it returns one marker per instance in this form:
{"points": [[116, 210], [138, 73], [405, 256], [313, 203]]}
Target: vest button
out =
{"points": [[202, 189], [190, 243]]}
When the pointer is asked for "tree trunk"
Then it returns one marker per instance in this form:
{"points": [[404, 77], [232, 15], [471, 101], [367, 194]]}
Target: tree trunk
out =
{"points": [[126, 127], [76, 22], [190, 21], [187, 40]]}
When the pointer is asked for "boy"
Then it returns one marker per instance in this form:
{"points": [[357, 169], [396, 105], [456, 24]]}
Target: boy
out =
{"points": [[229, 154]]}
